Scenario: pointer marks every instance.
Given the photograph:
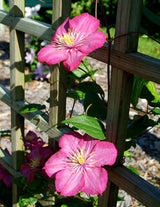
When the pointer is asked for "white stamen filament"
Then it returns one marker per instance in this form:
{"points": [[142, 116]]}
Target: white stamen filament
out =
{"points": [[80, 158], [70, 39]]}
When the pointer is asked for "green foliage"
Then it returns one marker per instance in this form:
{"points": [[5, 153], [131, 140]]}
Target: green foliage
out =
{"points": [[31, 108], [83, 72], [82, 6], [26, 202], [95, 106], [150, 93], [91, 86], [138, 85], [5, 195], [139, 125], [76, 95], [133, 170], [88, 124]]}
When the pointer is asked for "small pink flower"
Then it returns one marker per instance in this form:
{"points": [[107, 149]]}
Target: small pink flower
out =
{"points": [[73, 40], [77, 165], [36, 160]]}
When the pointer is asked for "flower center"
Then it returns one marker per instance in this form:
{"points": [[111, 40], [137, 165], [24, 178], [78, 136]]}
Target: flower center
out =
{"points": [[30, 137], [77, 158], [35, 162], [80, 159], [67, 39]]}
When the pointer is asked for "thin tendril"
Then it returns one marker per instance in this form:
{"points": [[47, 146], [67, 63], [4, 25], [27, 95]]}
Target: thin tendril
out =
{"points": [[109, 45]]}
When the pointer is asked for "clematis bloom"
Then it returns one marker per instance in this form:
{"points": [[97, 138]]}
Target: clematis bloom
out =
{"points": [[35, 161], [73, 40], [77, 166]]}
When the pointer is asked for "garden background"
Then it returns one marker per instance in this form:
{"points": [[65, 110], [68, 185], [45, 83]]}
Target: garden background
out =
{"points": [[145, 159]]}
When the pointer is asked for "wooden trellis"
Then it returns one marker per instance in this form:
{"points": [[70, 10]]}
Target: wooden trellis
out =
{"points": [[125, 62]]}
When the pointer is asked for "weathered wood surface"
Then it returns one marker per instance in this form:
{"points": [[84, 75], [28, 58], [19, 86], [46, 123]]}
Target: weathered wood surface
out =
{"points": [[135, 186], [135, 63], [17, 66], [6, 162], [38, 118], [58, 80]]}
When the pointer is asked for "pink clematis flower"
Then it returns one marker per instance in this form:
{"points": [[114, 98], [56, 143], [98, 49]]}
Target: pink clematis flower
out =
{"points": [[73, 40], [36, 160], [77, 166]]}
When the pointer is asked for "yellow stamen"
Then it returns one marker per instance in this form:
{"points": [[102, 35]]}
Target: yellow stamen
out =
{"points": [[35, 162], [67, 38]]}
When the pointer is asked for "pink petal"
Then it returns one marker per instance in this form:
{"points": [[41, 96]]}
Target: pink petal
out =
{"points": [[73, 60], [51, 55], [68, 182], [69, 142], [95, 181], [63, 28], [88, 144], [84, 23], [92, 42], [105, 153], [55, 163]]}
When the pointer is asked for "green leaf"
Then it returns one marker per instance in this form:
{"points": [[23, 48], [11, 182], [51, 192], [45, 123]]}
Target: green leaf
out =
{"points": [[128, 154], [120, 198], [139, 124], [90, 86], [129, 144], [150, 93], [88, 124], [138, 84], [156, 111], [151, 87], [151, 16], [76, 95], [31, 108], [133, 170], [95, 106], [25, 202], [81, 72]]}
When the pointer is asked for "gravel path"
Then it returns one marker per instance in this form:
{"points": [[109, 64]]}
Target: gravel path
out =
{"points": [[146, 155]]}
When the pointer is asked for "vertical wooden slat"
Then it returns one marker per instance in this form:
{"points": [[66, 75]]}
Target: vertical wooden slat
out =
{"points": [[58, 82], [128, 20], [17, 90]]}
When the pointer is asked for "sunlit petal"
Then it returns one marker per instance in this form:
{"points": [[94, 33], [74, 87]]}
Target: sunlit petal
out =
{"points": [[68, 182]]}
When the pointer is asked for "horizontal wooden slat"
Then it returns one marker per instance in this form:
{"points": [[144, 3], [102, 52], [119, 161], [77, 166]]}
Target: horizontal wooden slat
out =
{"points": [[135, 63], [36, 28], [6, 162], [38, 118], [135, 186]]}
